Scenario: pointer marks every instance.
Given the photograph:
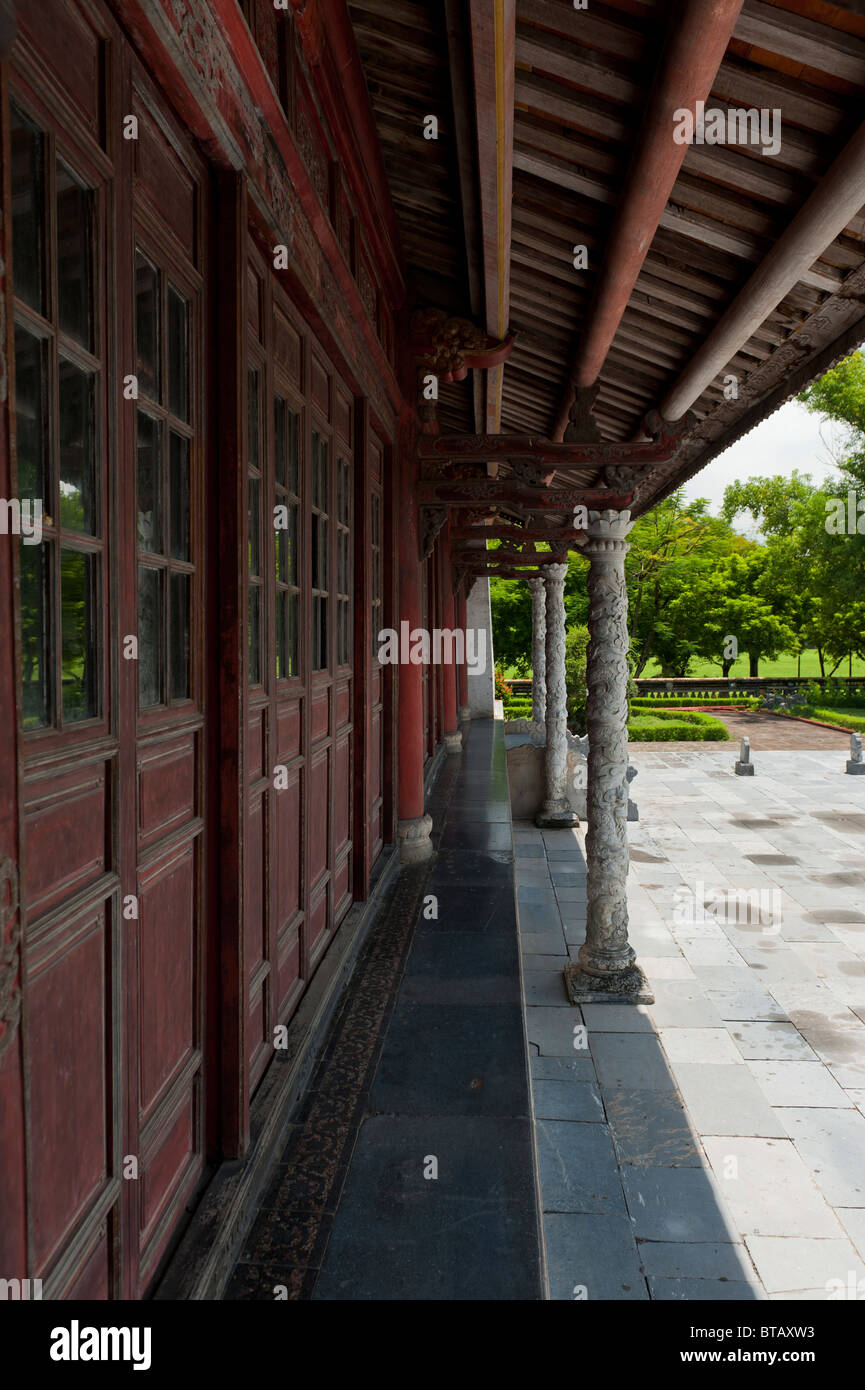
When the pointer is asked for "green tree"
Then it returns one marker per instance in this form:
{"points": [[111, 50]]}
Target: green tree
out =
{"points": [[576, 647]]}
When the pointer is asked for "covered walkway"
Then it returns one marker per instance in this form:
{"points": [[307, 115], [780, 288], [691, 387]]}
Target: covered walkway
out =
{"points": [[709, 1146], [408, 1172]]}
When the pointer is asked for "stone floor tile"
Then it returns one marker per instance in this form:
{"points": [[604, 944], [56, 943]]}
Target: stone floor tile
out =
{"points": [[567, 1100], [771, 1041], [617, 1018], [703, 1290], [831, 1143], [651, 1129], [634, 1061], [767, 1188], [546, 987], [551, 1029], [675, 1204], [799, 1083], [725, 1099], [699, 1045], [593, 1252], [575, 1068], [577, 1168], [680, 1260], [787, 1263]]}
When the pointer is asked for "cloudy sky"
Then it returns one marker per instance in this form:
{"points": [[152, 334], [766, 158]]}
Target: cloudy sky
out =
{"points": [[790, 439]]}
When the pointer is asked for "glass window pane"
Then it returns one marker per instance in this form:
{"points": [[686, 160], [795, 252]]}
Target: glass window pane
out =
{"points": [[280, 441], [28, 211], [147, 327], [282, 556], [74, 256], [150, 637], [31, 414], [180, 586], [179, 485], [35, 635], [79, 624], [281, 634], [148, 485], [293, 639], [77, 450], [253, 406], [292, 547], [254, 526], [254, 635], [178, 355]]}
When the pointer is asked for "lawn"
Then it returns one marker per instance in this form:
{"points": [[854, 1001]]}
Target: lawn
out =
{"points": [[784, 666]]}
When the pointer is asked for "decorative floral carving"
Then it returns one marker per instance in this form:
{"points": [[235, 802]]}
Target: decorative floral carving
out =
{"points": [[432, 519], [449, 346]]}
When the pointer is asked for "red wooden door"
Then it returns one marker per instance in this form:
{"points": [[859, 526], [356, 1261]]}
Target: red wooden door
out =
{"points": [[298, 837], [107, 398], [164, 794]]}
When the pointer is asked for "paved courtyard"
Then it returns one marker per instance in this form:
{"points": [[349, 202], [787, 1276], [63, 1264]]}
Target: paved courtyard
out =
{"points": [[711, 1145]]}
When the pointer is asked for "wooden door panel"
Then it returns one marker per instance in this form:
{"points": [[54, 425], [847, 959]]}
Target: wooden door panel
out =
{"points": [[167, 1167], [71, 1054], [167, 787], [317, 855], [289, 841], [168, 953], [255, 884], [93, 1280], [67, 826]]}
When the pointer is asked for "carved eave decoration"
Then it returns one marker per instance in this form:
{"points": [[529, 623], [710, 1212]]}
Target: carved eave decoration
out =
{"points": [[449, 347]]}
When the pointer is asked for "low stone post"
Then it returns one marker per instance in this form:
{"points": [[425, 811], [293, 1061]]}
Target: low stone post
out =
{"points": [[744, 767], [855, 764]]}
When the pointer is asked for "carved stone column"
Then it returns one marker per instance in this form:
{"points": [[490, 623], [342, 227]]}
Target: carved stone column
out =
{"points": [[606, 968], [555, 813], [539, 651]]}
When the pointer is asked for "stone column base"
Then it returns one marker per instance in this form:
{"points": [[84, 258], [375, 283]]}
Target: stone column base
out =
{"points": [[554, 819], [855, 769], [454, 742], [415, 844], [743, 769], [627, 987], [465, 713]]}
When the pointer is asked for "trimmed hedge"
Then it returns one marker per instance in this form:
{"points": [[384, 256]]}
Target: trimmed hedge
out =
{"points": [[682, 701], [852, 719], [666, 726]]}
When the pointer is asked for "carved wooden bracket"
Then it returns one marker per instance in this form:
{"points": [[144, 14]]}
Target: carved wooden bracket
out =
{"points": [[448, 347], [432, 519]]}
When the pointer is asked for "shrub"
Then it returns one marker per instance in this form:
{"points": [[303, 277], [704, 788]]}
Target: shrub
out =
{"points": [[669, 725], [576, 645], [503, 690]]}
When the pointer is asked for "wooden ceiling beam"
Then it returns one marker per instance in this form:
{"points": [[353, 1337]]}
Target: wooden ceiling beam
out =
{"points": [[492, 31]]}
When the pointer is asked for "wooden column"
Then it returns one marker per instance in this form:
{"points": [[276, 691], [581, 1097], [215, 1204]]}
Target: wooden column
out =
{"points": [[452, 736], [413, 827]]}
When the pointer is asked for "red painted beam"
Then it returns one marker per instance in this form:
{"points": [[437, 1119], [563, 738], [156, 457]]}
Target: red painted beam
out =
{"points": [[327, 37], [699, 33], [493, 43]]}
